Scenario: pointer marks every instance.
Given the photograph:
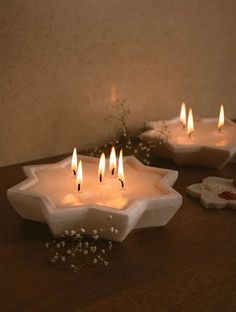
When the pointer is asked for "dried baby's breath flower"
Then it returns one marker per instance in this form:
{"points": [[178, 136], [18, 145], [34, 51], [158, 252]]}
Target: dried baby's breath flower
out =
{"points": [[86, 244], [123, 138], [77, 249], [94, 248]]}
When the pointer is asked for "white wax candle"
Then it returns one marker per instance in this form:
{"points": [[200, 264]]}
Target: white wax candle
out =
{"points": [[206, 146], [49, 195], [205, 134], [60, 186]]}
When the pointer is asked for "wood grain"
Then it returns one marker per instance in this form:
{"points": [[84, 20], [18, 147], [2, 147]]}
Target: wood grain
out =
{"points": [[189, 265]]}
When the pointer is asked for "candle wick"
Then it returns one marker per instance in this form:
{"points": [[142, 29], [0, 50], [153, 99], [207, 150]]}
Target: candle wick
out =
{"points": [[189, 135], [122, 183], [183, 126], [74, 172], [78, 187], [100, 177], [112, 171], [220, 129]]}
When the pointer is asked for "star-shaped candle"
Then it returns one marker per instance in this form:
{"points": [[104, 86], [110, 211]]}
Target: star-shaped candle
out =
{"points": [[135, 195], [209, 142]]}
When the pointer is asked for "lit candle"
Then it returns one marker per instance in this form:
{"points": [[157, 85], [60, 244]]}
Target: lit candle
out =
{"points": [[215, 137], [79, 177], [221, 118], [182, 115], [121, 176], [74, 162], [112, 162], [101, 167], [190, 125], [67, 203]]}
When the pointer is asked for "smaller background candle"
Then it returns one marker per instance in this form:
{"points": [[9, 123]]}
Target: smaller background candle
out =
{"points": [[190, 125], [221, 118], [182, 116], [74, 161]]}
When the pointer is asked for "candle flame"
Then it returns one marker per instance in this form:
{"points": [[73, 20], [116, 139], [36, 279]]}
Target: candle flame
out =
{"points": [[182, 115], [221, 118], [190, 125], [112, 162], [74, 161], [101, 167], [121, 175], [79, 177]]}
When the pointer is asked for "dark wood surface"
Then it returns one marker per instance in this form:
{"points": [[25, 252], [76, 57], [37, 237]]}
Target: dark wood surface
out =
{"points": [[189, 265]]}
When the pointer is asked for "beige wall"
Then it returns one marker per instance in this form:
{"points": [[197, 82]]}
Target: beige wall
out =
{"points": [[60, 58]]}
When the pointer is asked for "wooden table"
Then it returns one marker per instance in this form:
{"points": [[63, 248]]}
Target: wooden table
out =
{"points": [[189, 265]]}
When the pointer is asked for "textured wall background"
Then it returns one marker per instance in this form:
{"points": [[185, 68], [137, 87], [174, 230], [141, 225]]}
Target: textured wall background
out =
{"points": [[60, 60]]}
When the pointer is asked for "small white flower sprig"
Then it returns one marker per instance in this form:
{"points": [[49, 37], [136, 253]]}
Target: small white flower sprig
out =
{"points": [[121, 136], [77, 249], [162, 132], [119, 113]]}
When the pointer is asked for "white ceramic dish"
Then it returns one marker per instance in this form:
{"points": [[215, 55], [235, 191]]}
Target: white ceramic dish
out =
{"points": [[139, 213], [207, 146], [208, 192]]}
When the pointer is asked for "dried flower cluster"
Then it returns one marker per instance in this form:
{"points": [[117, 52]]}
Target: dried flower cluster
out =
{"points": [[77, 249], [162, 132], [121, 136], [121, 115]]}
